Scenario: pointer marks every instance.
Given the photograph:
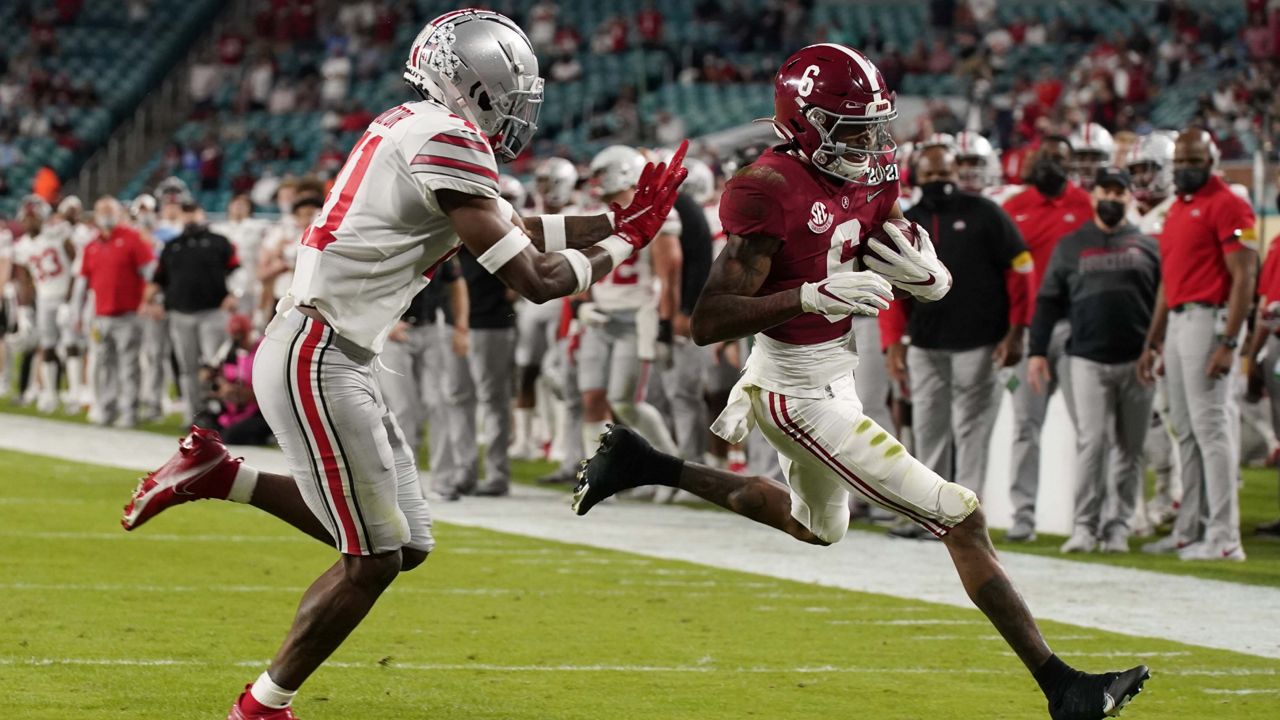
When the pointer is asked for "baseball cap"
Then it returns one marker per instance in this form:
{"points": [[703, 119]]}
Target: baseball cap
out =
{"points": [[1114, 177]]}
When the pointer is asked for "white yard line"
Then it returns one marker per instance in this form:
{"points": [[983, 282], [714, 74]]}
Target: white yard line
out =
{"points": [[1208, 613]]}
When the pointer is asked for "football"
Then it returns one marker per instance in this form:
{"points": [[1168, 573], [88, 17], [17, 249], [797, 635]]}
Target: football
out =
{"points": [[908, 228]]}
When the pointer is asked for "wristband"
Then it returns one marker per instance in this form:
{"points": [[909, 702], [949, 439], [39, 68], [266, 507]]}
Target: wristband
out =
{"points": [[618, 247], [666, 334], [553, 236], [581, 267], [501, 252]]}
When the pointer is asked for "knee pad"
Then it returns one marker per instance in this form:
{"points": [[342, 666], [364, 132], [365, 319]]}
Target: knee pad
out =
{"points": [[955, 503], [829, 527]]}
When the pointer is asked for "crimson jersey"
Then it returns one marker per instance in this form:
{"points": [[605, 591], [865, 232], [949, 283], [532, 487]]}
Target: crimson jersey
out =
{"points": [[820, 220]]}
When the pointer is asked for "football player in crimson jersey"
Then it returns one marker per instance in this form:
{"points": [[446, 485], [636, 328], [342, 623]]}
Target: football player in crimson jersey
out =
{"points": [[420, 183], [795, 218]]}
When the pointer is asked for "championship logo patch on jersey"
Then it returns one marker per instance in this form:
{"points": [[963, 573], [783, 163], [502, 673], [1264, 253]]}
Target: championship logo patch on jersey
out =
{"points": [[820, 218]]}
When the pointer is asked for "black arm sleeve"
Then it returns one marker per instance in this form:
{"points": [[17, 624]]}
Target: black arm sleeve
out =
{"points": [[695, 245]]}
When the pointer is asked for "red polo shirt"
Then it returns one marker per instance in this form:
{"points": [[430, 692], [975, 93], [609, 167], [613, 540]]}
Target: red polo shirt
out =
{"points": [[112, 265], [1269, 278], [1044, 221], [1199, 232]]}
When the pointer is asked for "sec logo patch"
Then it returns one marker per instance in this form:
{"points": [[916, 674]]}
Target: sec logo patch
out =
{"points": [[820, 218]]}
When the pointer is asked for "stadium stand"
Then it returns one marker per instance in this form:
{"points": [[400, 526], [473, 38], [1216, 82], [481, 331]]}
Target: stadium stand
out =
{"points": [[73, 70]]}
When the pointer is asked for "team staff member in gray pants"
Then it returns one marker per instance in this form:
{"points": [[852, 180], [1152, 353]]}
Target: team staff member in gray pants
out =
{"points": [[485, 379], [1209, 271], [192, 276], [958, 342], [115, 268], [414, 367], [683, 381], [1047, 211], [1103, 278]]}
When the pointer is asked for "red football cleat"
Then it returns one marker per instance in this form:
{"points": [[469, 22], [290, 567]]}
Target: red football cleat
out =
{"points": [[201, 469], [246, 708]]}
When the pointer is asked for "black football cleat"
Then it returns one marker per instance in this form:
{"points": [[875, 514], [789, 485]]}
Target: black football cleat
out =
{"points": [[624, 461], [1096, 697]]}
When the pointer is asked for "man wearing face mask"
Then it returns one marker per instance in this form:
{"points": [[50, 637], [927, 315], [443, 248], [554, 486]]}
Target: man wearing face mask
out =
{"points": [[115, 268], [1103, 278], [1209, 271], [958, 343], [1047, 211]]}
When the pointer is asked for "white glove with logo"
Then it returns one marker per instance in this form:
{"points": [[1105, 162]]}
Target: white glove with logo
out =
{"points": [[847, 293], [918, 272]]}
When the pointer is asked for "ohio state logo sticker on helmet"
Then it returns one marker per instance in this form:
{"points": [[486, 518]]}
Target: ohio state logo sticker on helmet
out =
{"points": [[820, 218]]}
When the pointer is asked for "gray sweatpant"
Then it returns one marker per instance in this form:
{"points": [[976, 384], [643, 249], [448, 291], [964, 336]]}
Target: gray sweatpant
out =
{"points": [[155, 364], [484, 380], [872, 376], [1029, 409], [683, 382], [196, 338], [412, 375], [115, 376], [1205, 421], [1110, 403], [954, 401]]}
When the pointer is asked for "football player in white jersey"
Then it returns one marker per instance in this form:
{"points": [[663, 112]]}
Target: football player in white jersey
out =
{"points": [[71, 329], [43, 262], [245, 233], [1092, 149], [421, 182], [628, 317], [555, 182], [6, 301]]}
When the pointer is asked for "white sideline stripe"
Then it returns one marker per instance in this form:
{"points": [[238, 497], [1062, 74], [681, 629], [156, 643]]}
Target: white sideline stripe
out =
{"points": [[42, 501], [486, 667], [1196, 611], [1242, 691]]}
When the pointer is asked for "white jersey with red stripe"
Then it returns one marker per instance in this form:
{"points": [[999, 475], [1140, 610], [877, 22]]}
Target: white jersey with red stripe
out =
{"points": [[45, 256], [1152, 221], [719, 238], [1000, 193], [381, 233], [633, 284]]}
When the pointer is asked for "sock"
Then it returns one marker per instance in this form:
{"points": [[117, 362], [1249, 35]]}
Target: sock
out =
{"points": [[49, 388], [523, 428], [591, 432], [242, 488], [75, 372], [1053, 676], [268, 694]]}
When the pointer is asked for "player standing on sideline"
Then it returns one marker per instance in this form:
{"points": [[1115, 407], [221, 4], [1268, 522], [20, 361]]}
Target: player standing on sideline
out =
{"points": [[1092, 148], [419, 184], [625, 320], [958, 344], [1051, 208], [795, 218], [1208, 272], [43, 264]]}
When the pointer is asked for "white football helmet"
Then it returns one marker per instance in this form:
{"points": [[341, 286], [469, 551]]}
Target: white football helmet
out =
{"points": [[1092, 148], [480, 65], [1151, 166], [701, 182], [975, 159], [555, 180], [512, 190], [946, 140], [616, 168]]}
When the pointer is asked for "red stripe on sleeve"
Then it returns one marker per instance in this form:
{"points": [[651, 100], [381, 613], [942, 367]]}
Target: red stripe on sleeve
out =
{"points": [[459, 141], [462, 165]]}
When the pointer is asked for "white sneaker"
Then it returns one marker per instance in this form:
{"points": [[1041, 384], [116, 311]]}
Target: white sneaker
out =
{"points": [[1082, 541], [1164, 546], [1117, 543], [1021, 533], [46, 404], [1212, 551]]}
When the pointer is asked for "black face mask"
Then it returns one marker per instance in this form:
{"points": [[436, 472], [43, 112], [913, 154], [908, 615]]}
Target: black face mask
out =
{"points": [[1048, 176], [937, 191], [1189, 179], [1111, 212]]}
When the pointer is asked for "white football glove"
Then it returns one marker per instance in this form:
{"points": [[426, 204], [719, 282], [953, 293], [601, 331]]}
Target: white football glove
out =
{"points": [[847, 293], [589, 315], [918, 272]]}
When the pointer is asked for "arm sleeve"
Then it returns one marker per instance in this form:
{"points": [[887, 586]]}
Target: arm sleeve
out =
{"points": [[1051, 304], [747, 208], [456, 158], [893, 323], [1235, 225]]}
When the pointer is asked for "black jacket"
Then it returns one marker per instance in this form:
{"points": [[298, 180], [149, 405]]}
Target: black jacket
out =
{"points": [[193, 268], [1105, 283]]}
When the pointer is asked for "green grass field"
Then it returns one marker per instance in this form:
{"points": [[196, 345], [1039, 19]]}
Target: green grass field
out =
{"points": [[170, 622]]}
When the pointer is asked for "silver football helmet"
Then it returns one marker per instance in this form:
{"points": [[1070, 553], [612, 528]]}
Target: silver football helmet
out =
{"points": [[480, 65], [1151, 166], [1092, 148], [512, 190], [701, 182], [975, 159], [555, 180], [616, 168]]}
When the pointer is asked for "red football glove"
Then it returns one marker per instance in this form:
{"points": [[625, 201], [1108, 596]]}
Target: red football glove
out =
{"points": [[656, 191]]}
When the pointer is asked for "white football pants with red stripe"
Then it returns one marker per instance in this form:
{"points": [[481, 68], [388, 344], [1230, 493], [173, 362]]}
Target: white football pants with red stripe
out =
{"points": [[828, 447], [346, 452]]}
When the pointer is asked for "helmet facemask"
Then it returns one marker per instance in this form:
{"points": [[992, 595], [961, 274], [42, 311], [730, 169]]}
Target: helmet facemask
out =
{"points": [[517, 122], [972, 173], [1151, 181], [1085, 165], [853, 149]]}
